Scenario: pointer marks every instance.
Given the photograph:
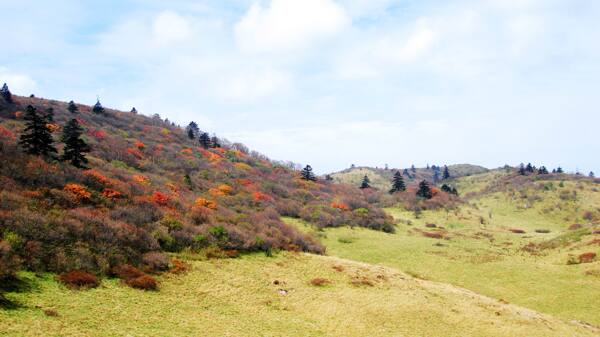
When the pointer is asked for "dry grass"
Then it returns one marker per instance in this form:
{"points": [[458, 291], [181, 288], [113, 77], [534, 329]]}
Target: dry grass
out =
{"points": [[215, 293]]}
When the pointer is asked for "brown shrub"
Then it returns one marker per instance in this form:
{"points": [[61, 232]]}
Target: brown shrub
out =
{"points": [[517, 231], [433, 235], [338, 268], [431, 225], [587, 257], [319, 282], [179, 267], [145, 282], [126, 272], [232, 254], [542, 231], [78, 279], [51, 313], [156, 261], [575, 226]]}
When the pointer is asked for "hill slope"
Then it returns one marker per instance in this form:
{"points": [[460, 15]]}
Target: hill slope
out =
{"points": [[258, 296], [149, 189], [381, 178]]}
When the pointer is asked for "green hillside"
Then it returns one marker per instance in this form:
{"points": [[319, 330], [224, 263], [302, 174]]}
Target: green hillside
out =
{"points": [[381, 178]]}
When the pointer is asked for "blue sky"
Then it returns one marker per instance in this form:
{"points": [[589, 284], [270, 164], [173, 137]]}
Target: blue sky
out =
{"points": [[331, 82]]}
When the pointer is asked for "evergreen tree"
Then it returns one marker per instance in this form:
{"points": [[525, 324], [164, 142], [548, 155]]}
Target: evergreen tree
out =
{"points": [[37, 137], [424, 190], [215, 142], [73, 107], [522, 169], [6, 94], [75, 147], [98, 108], [542, 170], [446, 174], [204, 140], [436, 176], [428, 166], [329, 177], [366, 183], [307, 173], [413, 169], [446, 188], [192, 130], [553, 170], [405, 172], [559, 170], [134, 111], [529, 168], [591, 175], [397, 183]]}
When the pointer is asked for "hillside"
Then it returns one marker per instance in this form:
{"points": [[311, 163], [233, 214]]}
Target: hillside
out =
{"points": [[381, 178], [150, 189], [259, 296], [529, 240]]}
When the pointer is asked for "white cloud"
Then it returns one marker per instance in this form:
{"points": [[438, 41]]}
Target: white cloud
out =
{"points": [[289, 24], [17, 83], [254, 85], [170, 26]]}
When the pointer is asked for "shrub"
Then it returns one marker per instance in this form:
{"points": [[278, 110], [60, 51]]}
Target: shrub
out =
{"points": [[178, 267], [542, 231], [156, 261], [126, 272], [78, 279], [587, 257], [144, 282], [232, 254], [517, 231], [319, 282]]}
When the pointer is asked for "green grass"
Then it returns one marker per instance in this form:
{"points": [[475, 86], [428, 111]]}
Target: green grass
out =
{"points": [[482, 255], [239, 297]]}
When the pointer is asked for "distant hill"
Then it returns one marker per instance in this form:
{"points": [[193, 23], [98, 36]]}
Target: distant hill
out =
{"points": [[381, 178]]}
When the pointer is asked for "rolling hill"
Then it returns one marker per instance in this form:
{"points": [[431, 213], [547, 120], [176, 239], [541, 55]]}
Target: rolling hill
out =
{"points": [[381, 178]]}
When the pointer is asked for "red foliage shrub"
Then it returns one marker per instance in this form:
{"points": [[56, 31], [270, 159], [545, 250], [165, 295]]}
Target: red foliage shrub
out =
{"points": [[145, 282], [78, 279], [126, 272], [433, 235], [340, 206], [160, 198], [232, 254], [259, 196], [79, 192], [587, 257], [179, 267], [98, 134], [111, 194], [135, 152]]}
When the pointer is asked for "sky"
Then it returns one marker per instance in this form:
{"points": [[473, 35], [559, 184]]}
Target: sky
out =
{"points": [[331, 83]]}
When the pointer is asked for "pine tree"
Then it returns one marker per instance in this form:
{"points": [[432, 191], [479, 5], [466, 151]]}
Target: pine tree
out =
{"points": [[529, 168], [591, 175], [424, 190], [446, 188], [204, 140], [522, 169], [192, 130], [542, 170], [366, 183], [134, 111], [446, 174], [405, 172], [413, 169], [397, 183], [307, 173], [6, 94], [75, 147], [214, 141], [436, 176], [73, 107], [329, 177], [559, 170], [37, 137], [98, 108]]}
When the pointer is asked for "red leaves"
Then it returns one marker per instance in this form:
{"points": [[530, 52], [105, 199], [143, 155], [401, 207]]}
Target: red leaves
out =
{"points": [[202, 202], [160, 198], [340, 205], [79, 192], [98, 134], [260, 196]]}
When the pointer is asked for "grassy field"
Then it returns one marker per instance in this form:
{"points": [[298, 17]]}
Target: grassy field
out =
{"points": [[260, 296], [478, 251]]}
